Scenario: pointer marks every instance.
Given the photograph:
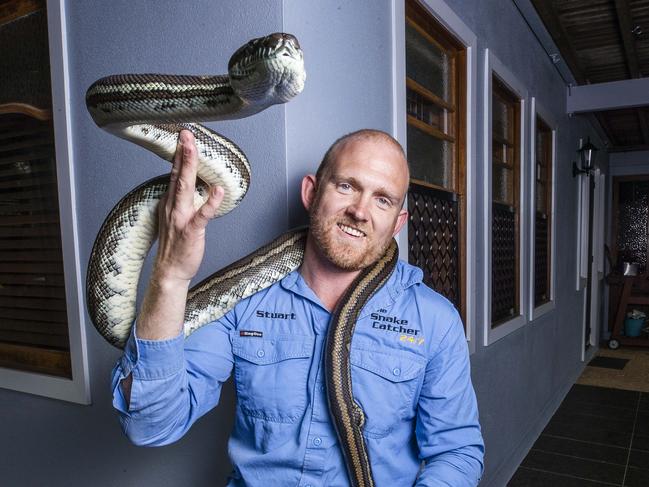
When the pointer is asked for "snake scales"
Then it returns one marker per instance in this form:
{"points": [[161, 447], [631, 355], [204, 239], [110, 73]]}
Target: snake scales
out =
{"points": [[151, 110]]}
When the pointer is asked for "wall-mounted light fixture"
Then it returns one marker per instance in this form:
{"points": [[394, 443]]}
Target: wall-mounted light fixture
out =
{"points": [[586, 158]]}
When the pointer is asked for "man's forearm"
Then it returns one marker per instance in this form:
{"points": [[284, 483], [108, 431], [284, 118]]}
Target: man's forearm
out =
{"points": [[163, 308], [161, 316]]}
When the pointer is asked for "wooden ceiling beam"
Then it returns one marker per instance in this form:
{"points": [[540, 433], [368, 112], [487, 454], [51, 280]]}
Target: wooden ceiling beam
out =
{"points": [[625, 23], [550, 19]]}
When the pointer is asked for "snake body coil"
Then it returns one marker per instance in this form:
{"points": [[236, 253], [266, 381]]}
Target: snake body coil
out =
{"points": [[151, 110]]}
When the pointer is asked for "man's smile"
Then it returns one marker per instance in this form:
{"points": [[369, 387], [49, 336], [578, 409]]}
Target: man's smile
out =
{"points": [[354, 232]]}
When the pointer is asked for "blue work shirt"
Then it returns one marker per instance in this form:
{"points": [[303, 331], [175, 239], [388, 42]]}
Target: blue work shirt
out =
{"points": [[410, 374]]}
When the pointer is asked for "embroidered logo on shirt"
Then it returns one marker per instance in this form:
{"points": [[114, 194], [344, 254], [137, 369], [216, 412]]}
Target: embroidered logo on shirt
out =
{"points": [[250, 333], [278, 316], [391, 323]]}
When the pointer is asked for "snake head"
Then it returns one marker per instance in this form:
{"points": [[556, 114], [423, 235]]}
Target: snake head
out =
{"points": [[268, 70]]}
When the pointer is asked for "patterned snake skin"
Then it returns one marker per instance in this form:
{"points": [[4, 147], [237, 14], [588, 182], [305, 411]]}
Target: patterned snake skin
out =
{"points": [[150, 110]]}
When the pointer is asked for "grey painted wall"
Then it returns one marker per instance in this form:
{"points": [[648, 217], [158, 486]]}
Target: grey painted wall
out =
{"points": [[519, 380]]}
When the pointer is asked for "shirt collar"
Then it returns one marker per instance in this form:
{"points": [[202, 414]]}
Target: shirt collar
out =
{"points": [[404, 276]]}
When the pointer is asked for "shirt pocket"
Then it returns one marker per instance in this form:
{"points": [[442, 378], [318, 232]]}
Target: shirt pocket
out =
{"points": [[271, 375], [384, 385]]}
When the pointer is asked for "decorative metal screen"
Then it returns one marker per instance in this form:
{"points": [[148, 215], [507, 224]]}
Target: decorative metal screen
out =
{"points": [[503, 272], [433, 239], [541, 287]]}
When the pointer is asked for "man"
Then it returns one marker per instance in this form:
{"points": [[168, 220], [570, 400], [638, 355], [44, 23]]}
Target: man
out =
{"points": [[410, 370]]}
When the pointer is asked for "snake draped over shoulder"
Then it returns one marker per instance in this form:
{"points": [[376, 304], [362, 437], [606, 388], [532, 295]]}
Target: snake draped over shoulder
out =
{"points": [[151, 110]]}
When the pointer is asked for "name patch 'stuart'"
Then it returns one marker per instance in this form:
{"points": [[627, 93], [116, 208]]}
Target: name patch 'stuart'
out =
{"points": [[278, 316], [392, 323]]}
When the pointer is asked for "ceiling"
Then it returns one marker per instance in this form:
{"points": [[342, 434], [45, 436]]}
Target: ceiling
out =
{"points": [[602, 41]]}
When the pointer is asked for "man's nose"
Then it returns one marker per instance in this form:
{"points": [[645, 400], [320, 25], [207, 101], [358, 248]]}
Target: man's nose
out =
{"points": [[359, 209]]}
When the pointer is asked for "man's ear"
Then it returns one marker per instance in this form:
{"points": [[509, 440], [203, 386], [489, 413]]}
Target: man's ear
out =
{"points": [[402, 218], [309, 187]]}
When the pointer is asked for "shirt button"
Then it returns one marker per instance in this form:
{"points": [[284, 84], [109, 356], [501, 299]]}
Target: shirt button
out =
{"points": [[317, 441], [396, 371], [260, 353]]}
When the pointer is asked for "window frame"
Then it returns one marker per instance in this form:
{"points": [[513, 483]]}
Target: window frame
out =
{"points": [[494, 67], [536, 109], [76, 389], [441, 12]]}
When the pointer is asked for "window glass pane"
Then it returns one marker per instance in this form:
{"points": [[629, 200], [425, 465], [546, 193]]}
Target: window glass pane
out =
{"points": [[501, 116], [429, 158], [540, 147], [503, 189], [501, 153], [426, 111], [427, 64], [541, 199], [541, 173]]}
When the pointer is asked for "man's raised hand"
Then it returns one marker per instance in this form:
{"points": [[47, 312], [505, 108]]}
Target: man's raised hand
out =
{"points": [[181, 231], [181, 226]]}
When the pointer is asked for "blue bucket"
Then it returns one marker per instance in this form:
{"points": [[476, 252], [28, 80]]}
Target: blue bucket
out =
{"points": [[633, 327]]}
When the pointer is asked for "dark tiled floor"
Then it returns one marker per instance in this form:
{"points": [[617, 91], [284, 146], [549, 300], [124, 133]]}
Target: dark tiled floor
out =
{"points": [[597, 437]]}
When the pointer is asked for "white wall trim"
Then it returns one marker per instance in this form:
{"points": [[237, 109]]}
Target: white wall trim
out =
{"points": [[399, 124], [494, 66], [537, 109], [78, 389], [449, 19]]}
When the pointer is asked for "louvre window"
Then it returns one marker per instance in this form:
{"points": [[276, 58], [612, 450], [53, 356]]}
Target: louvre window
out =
{"points": [[506, 157], [33, 316], [543, 213], [436, 140]]}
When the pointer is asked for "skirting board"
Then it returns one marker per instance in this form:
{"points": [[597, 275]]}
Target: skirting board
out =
{"points": [[507, 469]]}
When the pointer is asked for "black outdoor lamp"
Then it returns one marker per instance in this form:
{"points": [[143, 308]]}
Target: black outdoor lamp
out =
{"points": [[586, 157]]}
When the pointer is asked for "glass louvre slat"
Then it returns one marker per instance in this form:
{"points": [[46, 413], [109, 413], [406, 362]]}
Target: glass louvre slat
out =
{"points": [[427, 64], [426, 111], [540, 198], [503, 185], [430, 158], [501, 125]]}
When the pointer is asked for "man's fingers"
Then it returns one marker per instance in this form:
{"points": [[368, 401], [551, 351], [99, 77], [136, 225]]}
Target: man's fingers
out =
{"points": [[183, 191], [209, 209], [175, 171]]}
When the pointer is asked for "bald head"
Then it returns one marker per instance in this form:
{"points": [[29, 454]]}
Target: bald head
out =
{"points": [[364, 135]]}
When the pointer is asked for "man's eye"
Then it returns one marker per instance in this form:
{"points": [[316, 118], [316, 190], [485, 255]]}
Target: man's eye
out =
{"points": [[345, 187], [383, 203]]}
